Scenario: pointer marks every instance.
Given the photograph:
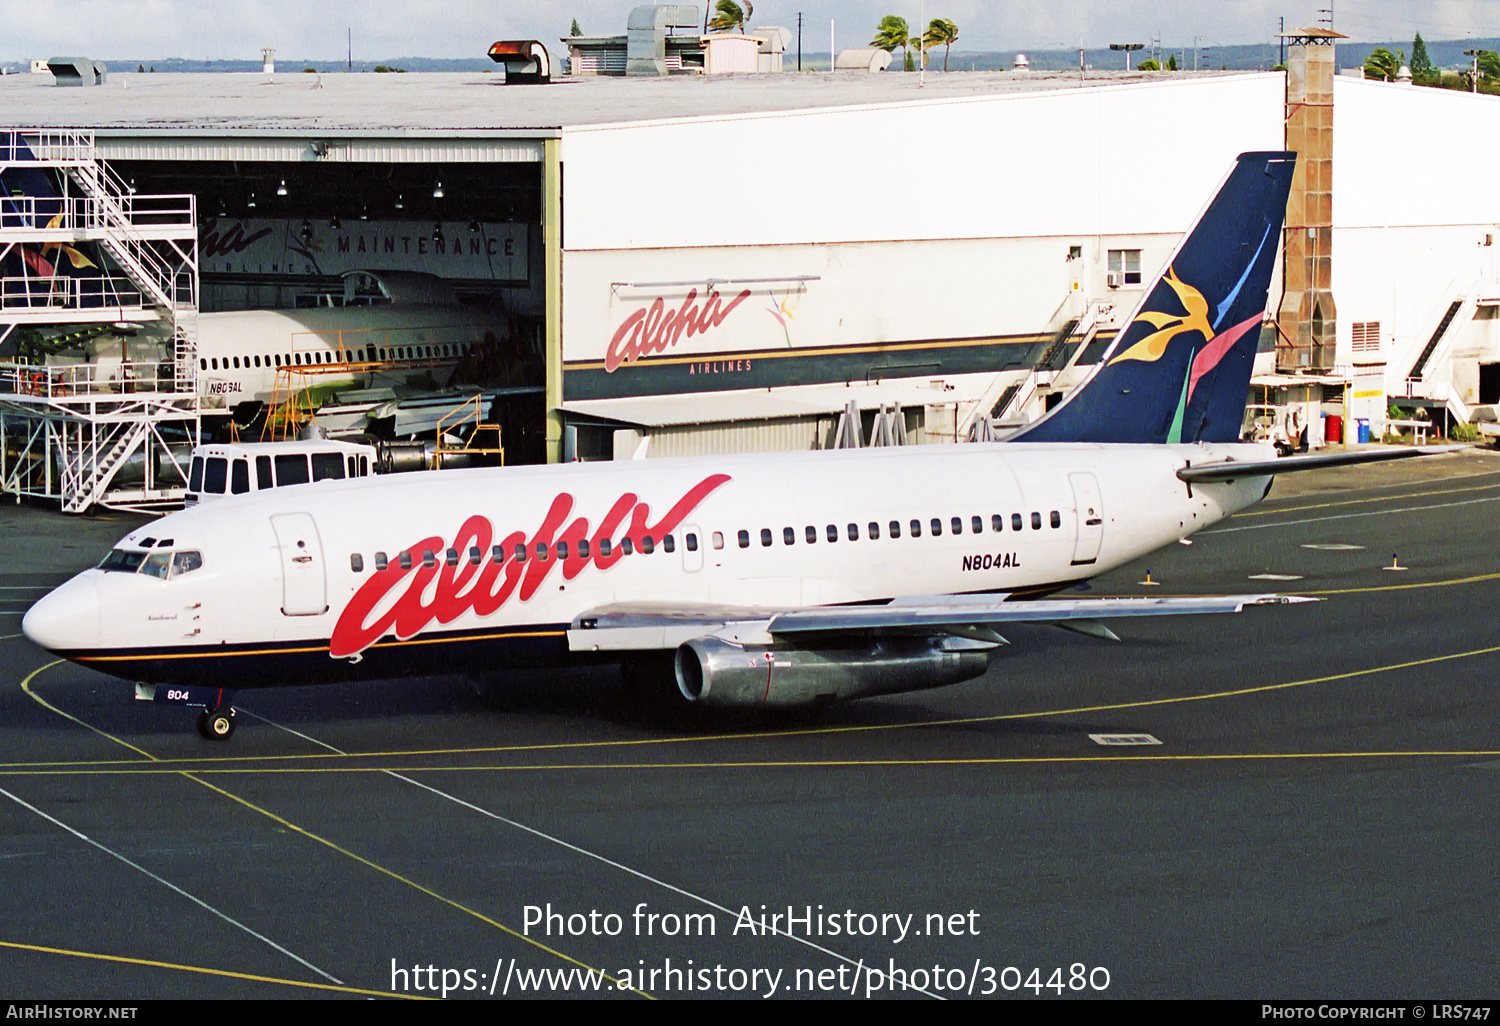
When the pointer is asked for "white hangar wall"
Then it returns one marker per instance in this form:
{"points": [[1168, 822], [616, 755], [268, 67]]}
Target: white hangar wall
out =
{"points": [[922, 232], [1414, 198], [1108, 160]]}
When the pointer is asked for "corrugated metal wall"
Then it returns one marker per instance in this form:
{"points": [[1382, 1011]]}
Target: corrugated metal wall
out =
{"points": [[791, 435]]}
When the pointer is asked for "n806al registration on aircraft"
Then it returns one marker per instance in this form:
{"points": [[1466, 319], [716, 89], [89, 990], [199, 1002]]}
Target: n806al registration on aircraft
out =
{"points": [[765, 580]]}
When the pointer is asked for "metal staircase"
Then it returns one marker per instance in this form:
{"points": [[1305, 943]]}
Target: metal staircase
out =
{"points": [[1008, 398], [66, 431]]}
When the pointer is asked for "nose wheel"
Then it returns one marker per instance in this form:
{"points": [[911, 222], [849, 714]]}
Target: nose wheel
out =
{"points": [[216, 724]]}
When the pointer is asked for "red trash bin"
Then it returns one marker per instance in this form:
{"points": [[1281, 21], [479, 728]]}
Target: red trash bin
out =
{"points": [[1335, 431]]}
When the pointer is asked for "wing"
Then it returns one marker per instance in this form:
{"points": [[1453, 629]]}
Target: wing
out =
{"points": [[625, 628]]}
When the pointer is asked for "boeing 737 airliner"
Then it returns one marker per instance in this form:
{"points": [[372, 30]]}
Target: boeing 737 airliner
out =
{"points": [[765, 580]]}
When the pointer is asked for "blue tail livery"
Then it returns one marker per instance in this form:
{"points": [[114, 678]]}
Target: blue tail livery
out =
{"points": [[1180, 371]]}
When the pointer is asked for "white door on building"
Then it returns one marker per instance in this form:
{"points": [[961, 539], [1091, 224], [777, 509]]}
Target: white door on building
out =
{"points": [[304, 579], [1090, 517]]}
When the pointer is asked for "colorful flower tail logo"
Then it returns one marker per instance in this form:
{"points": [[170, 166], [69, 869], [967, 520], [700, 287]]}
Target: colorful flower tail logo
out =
{"points": [[783, 311], [44, 267], [1169, 326]]}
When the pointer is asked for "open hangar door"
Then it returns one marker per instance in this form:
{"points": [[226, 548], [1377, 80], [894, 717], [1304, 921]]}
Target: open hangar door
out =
{"points": [[463, 239]]}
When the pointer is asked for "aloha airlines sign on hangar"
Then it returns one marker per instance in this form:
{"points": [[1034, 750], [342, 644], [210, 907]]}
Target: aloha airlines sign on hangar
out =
{"points": [[810, 247]]}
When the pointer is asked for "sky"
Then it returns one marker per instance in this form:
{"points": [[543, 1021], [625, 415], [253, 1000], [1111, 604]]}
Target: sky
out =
{"points": [[237, 29]]}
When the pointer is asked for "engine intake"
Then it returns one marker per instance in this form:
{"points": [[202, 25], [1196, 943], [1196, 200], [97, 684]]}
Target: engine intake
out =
{"points": [[721, 674]]}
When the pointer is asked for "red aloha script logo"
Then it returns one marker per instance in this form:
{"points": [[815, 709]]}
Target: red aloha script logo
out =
{"points": [[371, 615], [657, 329]]}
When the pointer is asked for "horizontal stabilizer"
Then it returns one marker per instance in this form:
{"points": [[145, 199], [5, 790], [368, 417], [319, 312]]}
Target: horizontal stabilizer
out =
{"points": [[1234, 469]]}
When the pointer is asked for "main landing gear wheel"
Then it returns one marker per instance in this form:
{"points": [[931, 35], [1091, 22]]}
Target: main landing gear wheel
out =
{"points": [[216, 724]]}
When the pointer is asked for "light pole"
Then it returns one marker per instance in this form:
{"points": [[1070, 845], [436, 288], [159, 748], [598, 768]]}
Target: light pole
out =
{"points": [[1128, 48], [1474, 75]]}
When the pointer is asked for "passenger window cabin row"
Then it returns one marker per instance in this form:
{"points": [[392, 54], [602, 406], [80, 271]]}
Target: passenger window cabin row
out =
{"points": [[363, 354], [582, 548]]}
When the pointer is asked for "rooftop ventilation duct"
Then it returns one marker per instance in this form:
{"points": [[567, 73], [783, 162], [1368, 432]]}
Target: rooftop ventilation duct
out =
{"points": [[526, 61], [76, 71], [646, 36]]}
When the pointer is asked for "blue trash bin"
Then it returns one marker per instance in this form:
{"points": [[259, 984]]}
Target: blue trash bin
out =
{"points": [[1364, 430]]}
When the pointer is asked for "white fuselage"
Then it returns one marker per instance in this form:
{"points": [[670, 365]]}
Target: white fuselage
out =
{"points": [[241, 353], [295, 570]]}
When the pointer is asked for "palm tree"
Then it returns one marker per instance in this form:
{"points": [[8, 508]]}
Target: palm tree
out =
{"points": [[941, 32], [731, 16], [1382, 64], [890, 34]]}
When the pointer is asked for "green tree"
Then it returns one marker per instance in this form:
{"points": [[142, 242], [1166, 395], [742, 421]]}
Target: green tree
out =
{"points": [[1149, 64], [1382, 64], [1172, 62], [1489, 65], [890, 34], [1421, 64], [940, 32], [731, 16], [575, 30]]}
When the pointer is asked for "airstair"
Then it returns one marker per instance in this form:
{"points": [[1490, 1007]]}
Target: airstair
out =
{"points": [[68, 431]]}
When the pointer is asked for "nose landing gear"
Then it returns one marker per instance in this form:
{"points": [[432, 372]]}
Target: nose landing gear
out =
{"points": [[215, 722]]}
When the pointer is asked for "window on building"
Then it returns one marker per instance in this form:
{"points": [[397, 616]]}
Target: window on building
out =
{"points": [[1127, 263]]}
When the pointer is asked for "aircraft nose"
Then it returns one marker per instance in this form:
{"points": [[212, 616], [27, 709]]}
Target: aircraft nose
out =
{"points": [[66, 619]]}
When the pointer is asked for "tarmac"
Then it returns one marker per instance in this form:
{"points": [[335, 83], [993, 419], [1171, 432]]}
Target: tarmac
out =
{"points": [[1309, 808]]}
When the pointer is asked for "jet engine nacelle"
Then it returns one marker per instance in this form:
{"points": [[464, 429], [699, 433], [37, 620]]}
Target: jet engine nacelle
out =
{"points": [[721, 674]]}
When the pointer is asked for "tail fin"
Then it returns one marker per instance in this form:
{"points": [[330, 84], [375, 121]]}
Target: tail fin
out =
{"points": [[1180, 371]]}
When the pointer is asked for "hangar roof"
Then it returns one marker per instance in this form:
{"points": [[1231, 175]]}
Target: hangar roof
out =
{"points": [[237, 103]]}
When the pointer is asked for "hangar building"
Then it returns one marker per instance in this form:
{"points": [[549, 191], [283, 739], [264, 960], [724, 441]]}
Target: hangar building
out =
{"points": [[696, 264]]}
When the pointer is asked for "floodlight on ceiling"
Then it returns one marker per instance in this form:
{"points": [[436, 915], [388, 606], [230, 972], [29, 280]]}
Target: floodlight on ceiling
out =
{"points": [[474, 226], [306, 231], [399, 204], [437, 233], [281, 189], [437, 191], [334, 223]]}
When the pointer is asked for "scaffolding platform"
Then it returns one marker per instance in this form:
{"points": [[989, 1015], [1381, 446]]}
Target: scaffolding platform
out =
{"points": [[85, 435]]}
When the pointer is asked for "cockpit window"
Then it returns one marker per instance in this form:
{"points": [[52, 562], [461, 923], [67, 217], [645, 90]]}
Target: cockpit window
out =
{"points": [[186, 562], [158, 564], [123, 561]]}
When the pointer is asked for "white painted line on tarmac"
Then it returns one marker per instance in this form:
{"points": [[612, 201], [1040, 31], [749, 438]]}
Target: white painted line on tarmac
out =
{"points": [[584, 851], [1351, 516], [170, 885], [1335, 547], [1276, 577]]}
